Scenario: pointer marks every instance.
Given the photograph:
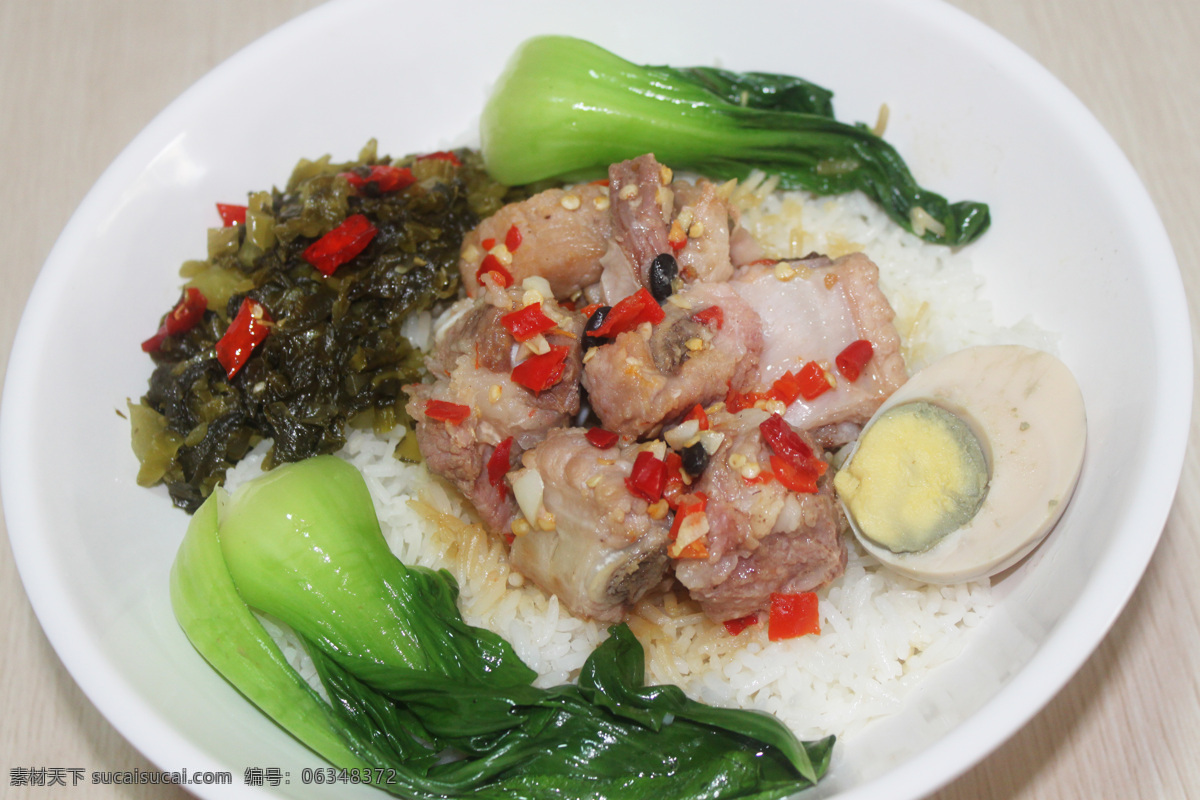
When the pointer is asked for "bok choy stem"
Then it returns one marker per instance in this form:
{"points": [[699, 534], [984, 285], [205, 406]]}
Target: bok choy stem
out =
{"points": [[409, 682], [565, 107]]}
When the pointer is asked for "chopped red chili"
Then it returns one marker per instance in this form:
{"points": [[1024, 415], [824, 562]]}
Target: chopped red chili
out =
{"points": [[386, 178], [785, 441], [792, 451], [793, 615], [697, 548], [442, 155], [444, 411], [812, 380], [786, 388], [590, 309], [488, 244], [763, 477], [183, 317], [688, 504], [673, 490], [232, 214], [798, 480], [540, 372], [512, 239], [850, 362], [341, 244], [700, 415], [247, 331], [492, 265], [737, 401], [736, 626], [527, 322], [626, 315], [601, 438], [713, 315], [499, 463], [649, 477]]}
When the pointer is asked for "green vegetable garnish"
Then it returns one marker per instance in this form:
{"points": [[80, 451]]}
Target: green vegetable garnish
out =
{"points": [[565, 108], [334, 354], [409, 681]]}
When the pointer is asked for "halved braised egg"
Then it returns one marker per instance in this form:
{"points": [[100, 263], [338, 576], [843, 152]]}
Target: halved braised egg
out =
{"points": [[968, 465]]}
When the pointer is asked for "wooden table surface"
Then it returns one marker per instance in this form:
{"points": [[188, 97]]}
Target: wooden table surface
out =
{"points": [[79, 80]]}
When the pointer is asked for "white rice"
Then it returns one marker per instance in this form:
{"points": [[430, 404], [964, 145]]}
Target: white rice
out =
{"points": [[880, 633]]}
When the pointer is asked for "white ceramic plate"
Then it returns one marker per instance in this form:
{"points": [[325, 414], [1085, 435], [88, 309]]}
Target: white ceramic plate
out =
{"points": [[1075, 243]]}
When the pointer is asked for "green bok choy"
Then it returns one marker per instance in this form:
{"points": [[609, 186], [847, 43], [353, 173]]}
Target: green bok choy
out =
{"points": [[566, 108], [409, 682]]}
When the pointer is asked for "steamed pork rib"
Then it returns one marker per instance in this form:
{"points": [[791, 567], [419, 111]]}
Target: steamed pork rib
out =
{"points": [[561, 235], [472, 366], [586, 537], [654, 214], [708, 341], [681, 311], [762, 536], [600, 238], [811, 310], [642, 202], [710, 225]]}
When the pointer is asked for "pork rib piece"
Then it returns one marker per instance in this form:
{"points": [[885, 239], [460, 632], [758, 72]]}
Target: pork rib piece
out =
{"points": [[653, 374], [812, 314], [652, 214], [762, 537], [563, 234], [604, 551], [471, 365]]}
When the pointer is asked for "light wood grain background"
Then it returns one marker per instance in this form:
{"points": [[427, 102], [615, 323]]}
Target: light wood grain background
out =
{"points": [[78, 80]]}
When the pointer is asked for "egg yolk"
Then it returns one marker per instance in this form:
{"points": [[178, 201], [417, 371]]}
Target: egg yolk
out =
{"points": [[917, 474]]}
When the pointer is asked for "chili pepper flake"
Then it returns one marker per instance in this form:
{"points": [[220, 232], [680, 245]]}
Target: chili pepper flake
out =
{"points": [[180, 319], [232, 214], [649, 477], [601, 438], [712, 316], [689, 529], [512, 239], [786, 388], [498, 465], [851, 361], [798, 480], [341, 244], [794, 463], [736, 626], [674, 489], [442, 155], [540, 372], [793, 615], [527, 322], [444, 411], [813, 382], [626, 315], [387, 178], [687, 504], [737, 401], [249, 328], [491, 265]]}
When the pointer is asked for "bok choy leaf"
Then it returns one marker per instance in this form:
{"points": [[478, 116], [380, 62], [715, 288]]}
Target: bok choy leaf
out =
{"points": [[566, 108], [446, 709]]}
